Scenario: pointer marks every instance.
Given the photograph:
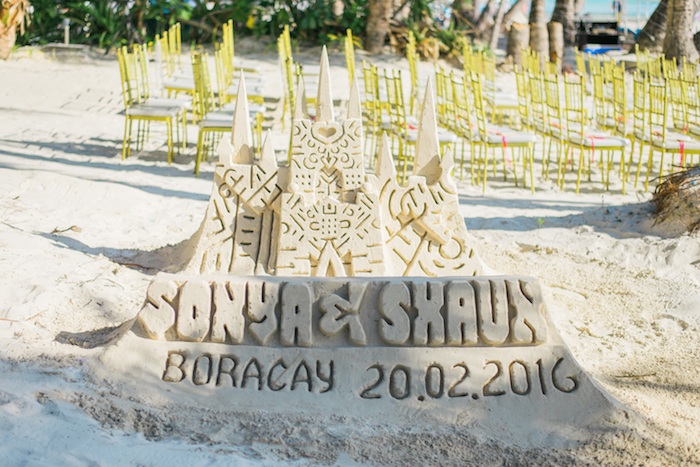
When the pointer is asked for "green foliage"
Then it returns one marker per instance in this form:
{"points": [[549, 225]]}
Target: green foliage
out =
{"points": [[101, 21], [110, 23]]}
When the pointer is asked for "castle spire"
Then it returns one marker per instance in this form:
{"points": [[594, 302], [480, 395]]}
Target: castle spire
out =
{"points": [[324, 99], [354, 106], [300, 110], [386, 170], [427, 160], [241, 136]]}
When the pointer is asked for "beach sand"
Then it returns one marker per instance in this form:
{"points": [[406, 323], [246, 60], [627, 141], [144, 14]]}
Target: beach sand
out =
{"points": [[80, 231]]}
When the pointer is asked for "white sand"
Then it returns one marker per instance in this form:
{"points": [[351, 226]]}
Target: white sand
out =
{"points": [[77, 231]]}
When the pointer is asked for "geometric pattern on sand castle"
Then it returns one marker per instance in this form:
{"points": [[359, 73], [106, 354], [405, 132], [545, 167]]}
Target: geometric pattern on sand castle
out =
{"points": [[322, 215]]}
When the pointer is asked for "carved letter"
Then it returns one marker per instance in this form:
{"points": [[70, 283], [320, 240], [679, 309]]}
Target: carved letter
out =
{"points": [[326, 379], [194, 313], [296, 315], [174, 371], [461, 314], [272, 381], [262, 299], [492, 309], [202, 371], [394, 300], [307, 372], [157, 315], [227, 366], [229, 299], [339, 313], [258, 373], [429, 326], [525, 302]]}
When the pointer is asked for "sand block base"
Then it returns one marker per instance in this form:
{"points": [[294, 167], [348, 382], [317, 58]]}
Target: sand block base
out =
{"points": [[479, 351]]}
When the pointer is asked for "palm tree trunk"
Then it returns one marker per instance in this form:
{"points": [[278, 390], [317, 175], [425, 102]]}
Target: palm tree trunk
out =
{"points": [[496, 30], [652, 36], [377, 25], [679, 36], [539, 40], [486, 18], [564, 12]]}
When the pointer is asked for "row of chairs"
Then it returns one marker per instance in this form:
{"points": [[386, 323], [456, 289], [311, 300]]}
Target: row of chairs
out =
{"points": [[663, 113], [142, 107], [210, 108]]}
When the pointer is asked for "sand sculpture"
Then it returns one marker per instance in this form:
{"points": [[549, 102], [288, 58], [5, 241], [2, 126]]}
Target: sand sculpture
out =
{"points": [[322, 215], [266, 316]]}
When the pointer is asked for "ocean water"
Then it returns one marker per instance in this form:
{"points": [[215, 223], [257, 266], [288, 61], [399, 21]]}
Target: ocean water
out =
{"points": [[605, 7]]}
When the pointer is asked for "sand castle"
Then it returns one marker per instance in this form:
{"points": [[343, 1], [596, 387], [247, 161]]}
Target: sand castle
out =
{"points": [[267, 317], [322, 215]]}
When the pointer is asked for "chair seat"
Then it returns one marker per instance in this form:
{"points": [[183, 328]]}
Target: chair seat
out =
{"points": [[253, 109], [675, 145], [249, 78], [250, 90], [502, 100], [599, 140], [506, 136], [445, 137], [169, 102], [670, 136], [155, 112], [178, 84], [246, 66]]}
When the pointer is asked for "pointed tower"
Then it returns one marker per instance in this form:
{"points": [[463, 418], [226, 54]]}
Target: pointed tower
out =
{"points": [[329, 216]]}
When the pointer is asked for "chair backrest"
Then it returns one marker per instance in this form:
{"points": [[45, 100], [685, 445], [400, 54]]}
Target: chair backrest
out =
{"points": [[123, 74], [691, 97], [575, 112], [654, 67], [674, 94], [350, 54], [639, 119], [204, 95], [689, 70], [412, 56], [396, 108], [601, 106], [581, 64], [620, 100], [142, 52], [462, 110], [537, 98], [642, 59], [670, 68], [521, 81], [658, 105], [552, 68], [553, 117], [441, 91], [371, 79], [479, 108]]}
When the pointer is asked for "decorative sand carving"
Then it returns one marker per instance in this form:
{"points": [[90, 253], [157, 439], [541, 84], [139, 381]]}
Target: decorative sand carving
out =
{"points": [[247, 328], [322, 215]]}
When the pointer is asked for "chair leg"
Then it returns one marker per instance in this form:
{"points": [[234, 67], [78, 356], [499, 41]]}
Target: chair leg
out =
{"points": [[473, 159], [486, 166], [639, 162], [629, 162], [127, 134], [198, 157], [581, 162], [531, 156], [169, 129], [649, 163]]}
